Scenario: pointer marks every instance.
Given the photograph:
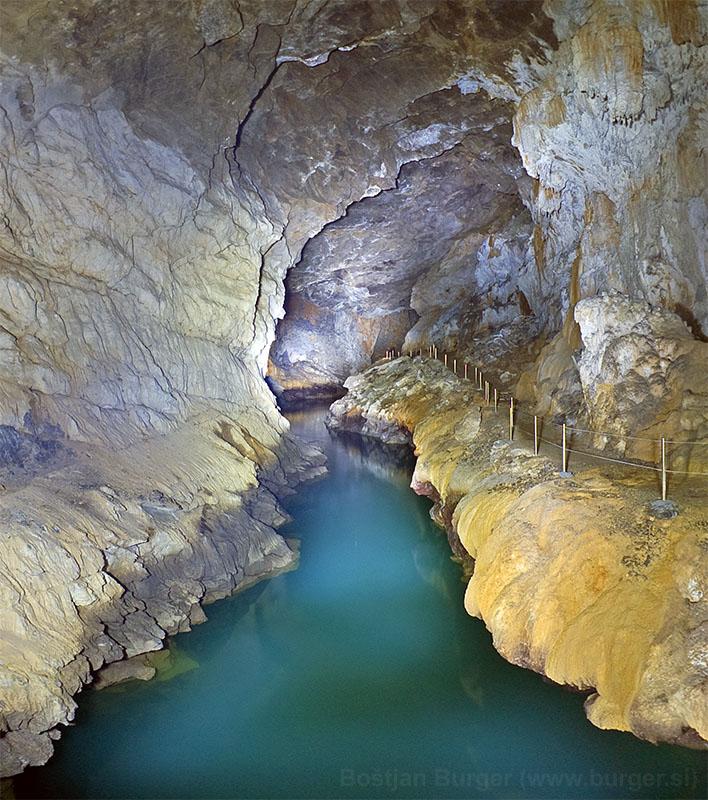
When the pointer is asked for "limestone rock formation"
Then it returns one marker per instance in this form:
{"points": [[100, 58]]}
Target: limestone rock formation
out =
{"points": [[573, 577], [422, 249], [611, 132], [643, 374], [106, 552], [163, 167], [318, 348], [468, 172]]}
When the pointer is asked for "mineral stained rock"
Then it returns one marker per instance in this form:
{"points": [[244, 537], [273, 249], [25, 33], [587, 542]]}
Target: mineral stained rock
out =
{"points": [[468, 172], [575, 578], [611, 133]]}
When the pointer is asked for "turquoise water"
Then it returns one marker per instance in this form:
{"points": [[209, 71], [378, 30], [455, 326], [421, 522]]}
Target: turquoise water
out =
{"points": [[358, 675]]}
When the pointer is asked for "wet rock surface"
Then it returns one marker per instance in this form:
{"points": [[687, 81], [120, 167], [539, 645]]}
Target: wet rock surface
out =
{"points": [[163, 167], [469, 173], [556, 559], [112, 551]]}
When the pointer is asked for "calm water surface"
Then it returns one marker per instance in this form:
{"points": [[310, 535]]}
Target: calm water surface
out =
{"points": [[358, 675]]}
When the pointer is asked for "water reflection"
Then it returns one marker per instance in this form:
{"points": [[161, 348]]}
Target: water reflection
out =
{"points": [[388, 462], [351, 677]]}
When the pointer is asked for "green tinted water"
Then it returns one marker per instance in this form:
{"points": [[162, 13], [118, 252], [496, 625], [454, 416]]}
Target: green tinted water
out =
{"points": [[358, 675]]}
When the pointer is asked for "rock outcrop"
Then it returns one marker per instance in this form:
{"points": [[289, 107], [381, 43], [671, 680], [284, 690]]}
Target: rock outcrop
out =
{"points": [[611, 131], [574, 577], [472, 171], [643, 375], [104, 552]]}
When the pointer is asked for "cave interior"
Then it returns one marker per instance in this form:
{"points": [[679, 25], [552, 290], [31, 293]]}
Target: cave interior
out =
{"points": [[214, 210]]}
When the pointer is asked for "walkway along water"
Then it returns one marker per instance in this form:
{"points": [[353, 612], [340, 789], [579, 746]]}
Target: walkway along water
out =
{"points": [[537, 425], [358, 675]]}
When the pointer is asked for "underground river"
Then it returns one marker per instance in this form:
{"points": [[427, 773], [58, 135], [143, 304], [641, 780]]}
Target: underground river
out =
{"points": [[357, 675]]}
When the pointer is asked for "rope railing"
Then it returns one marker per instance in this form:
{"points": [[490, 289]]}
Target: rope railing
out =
{"points": [[492, 396], [626, 435]]}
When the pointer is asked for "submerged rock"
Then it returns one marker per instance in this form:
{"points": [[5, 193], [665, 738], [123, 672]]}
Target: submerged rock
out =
{"points": [[121, 671]]}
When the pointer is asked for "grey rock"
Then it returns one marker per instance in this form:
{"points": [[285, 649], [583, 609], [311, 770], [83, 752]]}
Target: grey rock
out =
{"points": [[663, 509], [161, 191]]}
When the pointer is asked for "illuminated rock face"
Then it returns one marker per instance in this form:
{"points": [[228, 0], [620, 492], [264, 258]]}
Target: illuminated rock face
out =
{"points": [[163, 167], [167, 165], [417, 252], [611, 132], [643, 375], [318, 348], [573, 577]]}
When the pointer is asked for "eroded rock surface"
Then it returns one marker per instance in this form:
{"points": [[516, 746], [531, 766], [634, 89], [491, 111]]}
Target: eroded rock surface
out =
{"points": [[427, 250], [573, 577], [608, 122], [106, 552], [611, 131], [166, 165], [643, 376]]}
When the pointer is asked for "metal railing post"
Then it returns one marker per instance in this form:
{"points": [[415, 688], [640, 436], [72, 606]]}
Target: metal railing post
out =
{"points": [[511, 418], [535, 435], [663, 468]]}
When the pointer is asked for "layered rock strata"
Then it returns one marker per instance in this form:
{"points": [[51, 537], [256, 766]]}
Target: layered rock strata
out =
{"points": [[105, 552], [574, 577], [164, 165]]}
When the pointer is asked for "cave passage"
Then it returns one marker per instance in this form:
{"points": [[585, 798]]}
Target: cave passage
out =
{"points": [[357, 675]]}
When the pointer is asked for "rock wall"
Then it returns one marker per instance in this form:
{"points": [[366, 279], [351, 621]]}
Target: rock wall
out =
{"points": [[318, 348], [574, 577], [135, 422], [166, 165], [612, 135], [104, 552], [420, 252], [611, 132], [643, 377], [163, 167], [604, 194]]}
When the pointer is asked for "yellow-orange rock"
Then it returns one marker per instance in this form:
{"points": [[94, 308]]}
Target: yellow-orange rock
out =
{"points": [[574, 577]]}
